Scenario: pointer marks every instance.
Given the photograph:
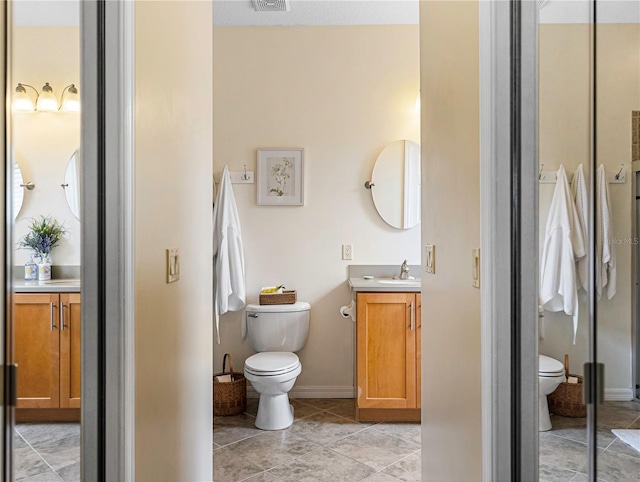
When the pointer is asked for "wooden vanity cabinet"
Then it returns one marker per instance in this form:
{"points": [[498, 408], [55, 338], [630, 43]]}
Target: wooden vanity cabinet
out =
{"points": [[388, 356], [47, 336]]}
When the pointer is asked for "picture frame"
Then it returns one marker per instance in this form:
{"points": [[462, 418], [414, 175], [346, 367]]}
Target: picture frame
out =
{"points": [[280, 177]]}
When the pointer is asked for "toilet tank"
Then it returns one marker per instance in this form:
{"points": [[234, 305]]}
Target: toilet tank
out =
{"points": [[278, 327]]}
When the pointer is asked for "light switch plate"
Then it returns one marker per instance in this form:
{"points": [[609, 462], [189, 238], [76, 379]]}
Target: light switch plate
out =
{"points": [[173, 265], [475, 267], [430, 258]]}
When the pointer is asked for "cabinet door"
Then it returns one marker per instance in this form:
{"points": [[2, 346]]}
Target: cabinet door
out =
{"points": [[386, 360], [418, 350], [36, 349], [70, 335]]}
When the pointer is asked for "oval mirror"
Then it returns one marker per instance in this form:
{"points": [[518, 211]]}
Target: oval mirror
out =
{"points": [[72, 184], [18, 189], [396, 184]]}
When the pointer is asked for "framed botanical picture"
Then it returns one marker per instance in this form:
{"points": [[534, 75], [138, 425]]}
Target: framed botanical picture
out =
{"points": [[280, 177]]}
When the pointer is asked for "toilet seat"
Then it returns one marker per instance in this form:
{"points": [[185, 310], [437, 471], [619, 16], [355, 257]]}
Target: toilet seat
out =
{"points": [[549, 367], [268, 364]]}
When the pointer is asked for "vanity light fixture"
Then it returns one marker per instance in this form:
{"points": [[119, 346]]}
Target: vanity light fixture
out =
{"points": [[21, 100], [46, 100], [70, 100]]}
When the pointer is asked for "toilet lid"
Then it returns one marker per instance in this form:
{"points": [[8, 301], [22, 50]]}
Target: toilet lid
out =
{"points": [[271, 363], [550, 366]]}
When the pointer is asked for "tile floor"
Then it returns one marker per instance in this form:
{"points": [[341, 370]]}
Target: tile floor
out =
{"points": [[325, 443], [47, 452]]}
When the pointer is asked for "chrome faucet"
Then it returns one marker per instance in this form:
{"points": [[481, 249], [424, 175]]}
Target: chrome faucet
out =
{"points": [[404, 270]]}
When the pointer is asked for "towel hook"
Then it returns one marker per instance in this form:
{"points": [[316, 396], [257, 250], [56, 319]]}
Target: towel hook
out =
{"points": [[29, 185], [244, 176], [368, 184], [619, 172], [540, 172]]}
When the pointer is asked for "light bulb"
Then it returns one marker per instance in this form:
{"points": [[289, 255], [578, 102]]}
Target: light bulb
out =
{"points": [[47, 102], [70, 99], [21, 100]]}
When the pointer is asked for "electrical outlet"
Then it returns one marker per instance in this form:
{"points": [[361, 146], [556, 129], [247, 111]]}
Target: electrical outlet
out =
{"points": [[347, 251]]}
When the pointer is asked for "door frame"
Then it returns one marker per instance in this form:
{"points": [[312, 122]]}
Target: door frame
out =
{"points": [[7, 385], [509, 199], [108, 382]]}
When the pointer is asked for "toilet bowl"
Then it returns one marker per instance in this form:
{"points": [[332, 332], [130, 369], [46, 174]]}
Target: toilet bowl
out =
{"points": [[275, 332], [272, 375], [550, 376]]}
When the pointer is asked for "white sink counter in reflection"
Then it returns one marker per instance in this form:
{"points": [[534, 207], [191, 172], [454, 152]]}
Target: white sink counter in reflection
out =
{"points": [[49, 286]]}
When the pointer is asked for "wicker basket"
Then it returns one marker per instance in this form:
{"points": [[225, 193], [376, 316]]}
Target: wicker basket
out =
{"points": [[566, 400], [229, 398], [287, 297]]}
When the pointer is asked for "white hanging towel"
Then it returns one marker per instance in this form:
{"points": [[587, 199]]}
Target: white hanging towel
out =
{"points": [[605, 247], [228, 254], [579, 192], [563, 244]]}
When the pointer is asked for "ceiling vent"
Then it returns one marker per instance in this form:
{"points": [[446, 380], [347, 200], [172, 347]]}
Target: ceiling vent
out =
{"points": [[272, 5]]}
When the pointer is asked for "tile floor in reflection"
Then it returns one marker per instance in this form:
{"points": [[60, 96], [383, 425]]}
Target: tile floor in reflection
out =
{"points": [[325, 443], [563, 449], [46, 452]]}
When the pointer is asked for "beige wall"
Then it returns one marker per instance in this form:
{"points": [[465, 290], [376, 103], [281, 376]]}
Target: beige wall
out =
{"points": [[343, 94], [43, 142], [564, 138], [173, 190], [451, 377]]}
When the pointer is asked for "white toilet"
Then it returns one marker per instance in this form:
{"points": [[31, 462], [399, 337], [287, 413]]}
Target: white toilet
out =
{"points": [[275, 331], [551, 375]]}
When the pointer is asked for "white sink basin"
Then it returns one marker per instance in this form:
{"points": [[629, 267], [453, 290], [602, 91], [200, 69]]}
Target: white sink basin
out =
{"points": [[403, 282]]}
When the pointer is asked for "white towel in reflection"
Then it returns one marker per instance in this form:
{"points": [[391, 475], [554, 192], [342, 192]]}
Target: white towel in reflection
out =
{"points": [[563, 244], [579, 193], [605, 242]]}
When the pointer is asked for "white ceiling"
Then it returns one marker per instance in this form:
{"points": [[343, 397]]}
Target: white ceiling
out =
{"points": [[231, 13], [329, 12]]}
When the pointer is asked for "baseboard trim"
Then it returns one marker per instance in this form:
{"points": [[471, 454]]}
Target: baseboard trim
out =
{"points": [[341, 391], [313, 391], [618, 394]]}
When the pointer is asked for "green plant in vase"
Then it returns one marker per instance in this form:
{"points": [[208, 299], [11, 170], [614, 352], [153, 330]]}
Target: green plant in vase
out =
{"points": [[45, 233]]}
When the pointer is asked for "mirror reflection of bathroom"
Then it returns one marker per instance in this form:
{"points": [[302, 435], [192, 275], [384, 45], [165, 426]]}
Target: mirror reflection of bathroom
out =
{"points": [[566, 107], [341, 81], [45, 138]]}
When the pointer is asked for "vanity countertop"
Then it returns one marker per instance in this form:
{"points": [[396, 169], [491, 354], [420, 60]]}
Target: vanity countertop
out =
{"points": [[51, 286], [363, 278], [385, 285]]}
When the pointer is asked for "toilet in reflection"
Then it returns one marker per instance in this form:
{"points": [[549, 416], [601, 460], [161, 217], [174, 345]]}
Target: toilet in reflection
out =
{"points": [[550, 375], [275, 332]]}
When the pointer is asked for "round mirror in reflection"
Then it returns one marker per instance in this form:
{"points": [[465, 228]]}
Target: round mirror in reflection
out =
{"points": [[18, 190], [72, 184], [396, 184]]}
